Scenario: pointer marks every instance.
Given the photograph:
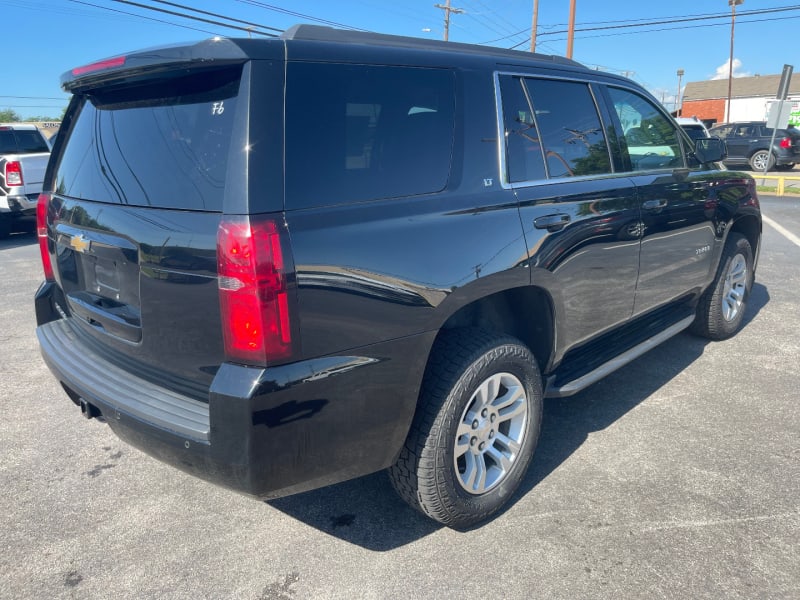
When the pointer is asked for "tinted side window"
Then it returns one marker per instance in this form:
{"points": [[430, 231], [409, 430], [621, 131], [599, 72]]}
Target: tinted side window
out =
{"points": [[722, 131], [361, 132], [570, 128], [524, 157], [747, 130], [163, 144], [651, 138]]}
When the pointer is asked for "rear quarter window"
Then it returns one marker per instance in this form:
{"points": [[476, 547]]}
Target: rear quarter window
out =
{"points": [[365, 132], [163, 144]]}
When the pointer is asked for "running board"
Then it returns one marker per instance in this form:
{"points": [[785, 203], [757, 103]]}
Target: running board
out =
{"points": [[576, 385]]}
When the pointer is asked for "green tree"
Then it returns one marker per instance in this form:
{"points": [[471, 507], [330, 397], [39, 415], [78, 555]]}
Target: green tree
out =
{"points": [[9, 116], [41, 119]]}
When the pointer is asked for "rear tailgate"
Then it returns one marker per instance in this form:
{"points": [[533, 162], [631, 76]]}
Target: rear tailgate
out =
{"points": [[33, 169], [137, 196]]}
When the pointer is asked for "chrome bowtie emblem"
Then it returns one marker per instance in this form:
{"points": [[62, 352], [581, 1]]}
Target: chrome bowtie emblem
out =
{"points": [[79, 243]]}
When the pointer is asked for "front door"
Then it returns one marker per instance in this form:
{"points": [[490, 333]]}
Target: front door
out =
{"points": [[677, 215]]}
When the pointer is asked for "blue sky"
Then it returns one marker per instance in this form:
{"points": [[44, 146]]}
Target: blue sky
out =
{"points": [[44, 38]]}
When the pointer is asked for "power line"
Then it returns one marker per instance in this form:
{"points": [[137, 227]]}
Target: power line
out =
{"points": [[34, 97], [201, 19], [293, 13], [602, 35], [678, 20], [509, 27], [205, 12], [633, 23], [481, 16], [130, 14]]}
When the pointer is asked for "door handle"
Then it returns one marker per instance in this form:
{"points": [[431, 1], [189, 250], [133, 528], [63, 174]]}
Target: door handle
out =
{"points": [[654, 204], [551, 222]]}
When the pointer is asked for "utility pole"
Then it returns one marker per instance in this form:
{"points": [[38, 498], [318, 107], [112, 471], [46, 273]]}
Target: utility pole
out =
{"points": [[678, 104], [447, 10], [733, 4], [571, 28], [534, 24]]}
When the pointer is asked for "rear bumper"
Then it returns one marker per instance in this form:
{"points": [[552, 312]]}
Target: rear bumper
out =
{"points": [[19, 204], [264, 432]]}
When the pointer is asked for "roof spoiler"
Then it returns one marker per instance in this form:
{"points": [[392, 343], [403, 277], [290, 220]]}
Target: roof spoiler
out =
{"points": [[217, 50]]}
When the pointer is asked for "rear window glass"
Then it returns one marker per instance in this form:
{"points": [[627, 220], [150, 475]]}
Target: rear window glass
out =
{"points": [[163, 144], [359, 132], [22, 141], [525, 157], [552, 129], [570, 128]]}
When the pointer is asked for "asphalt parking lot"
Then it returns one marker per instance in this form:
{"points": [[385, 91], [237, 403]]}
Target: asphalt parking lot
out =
{"points": [[678, 477]]}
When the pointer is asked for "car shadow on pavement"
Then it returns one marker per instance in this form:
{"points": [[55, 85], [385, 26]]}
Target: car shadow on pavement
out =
{"points": [[16, 240], [364, 511], [567, 422], [367, 513]]}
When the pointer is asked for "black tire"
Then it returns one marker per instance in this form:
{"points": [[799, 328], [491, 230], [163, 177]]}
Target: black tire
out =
{"points": [[759, 159], [433, 472], [722, 306]]}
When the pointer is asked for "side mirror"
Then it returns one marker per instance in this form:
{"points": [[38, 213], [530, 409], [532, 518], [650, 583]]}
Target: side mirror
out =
{"points": [[708, 150]]}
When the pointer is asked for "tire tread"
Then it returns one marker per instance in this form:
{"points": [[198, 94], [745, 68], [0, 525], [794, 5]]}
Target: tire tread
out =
{"points": [[417, 476]]}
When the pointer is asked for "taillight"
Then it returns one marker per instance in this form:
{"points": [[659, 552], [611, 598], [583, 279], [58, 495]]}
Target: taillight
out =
{"points": [[786, 143], [41, 232], [254, 296], [14, 173]]}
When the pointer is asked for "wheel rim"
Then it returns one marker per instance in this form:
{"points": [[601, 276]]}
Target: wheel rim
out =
{"points": [[735, 286], [490, 433], [760, 161]]}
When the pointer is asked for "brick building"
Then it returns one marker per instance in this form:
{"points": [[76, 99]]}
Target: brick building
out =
{"points": [[751, 98]]}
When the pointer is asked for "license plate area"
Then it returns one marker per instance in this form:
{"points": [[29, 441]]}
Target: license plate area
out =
{"points": [[99, 274]]}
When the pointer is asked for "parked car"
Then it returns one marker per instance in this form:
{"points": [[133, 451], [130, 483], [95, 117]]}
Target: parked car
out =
{"points": [[340, 252], [24, 153], [693, 126], [748, 143]]}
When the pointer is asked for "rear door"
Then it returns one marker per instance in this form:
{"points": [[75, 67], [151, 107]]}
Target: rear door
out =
{"points": [[137, 194], [581, 220]]}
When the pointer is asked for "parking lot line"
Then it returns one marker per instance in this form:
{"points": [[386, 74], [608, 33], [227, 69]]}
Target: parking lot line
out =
{"points": [[782, 230]]}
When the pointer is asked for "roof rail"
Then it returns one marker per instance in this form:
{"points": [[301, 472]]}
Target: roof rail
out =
{"points": [[321, 33]]}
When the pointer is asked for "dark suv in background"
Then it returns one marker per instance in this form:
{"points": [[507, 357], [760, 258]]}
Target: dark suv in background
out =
{"points": [[748, 143], [280, 264]]}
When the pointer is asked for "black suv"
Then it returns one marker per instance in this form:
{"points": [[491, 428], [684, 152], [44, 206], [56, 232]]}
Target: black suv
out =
{"points": [[748, 143], [280, 264]]}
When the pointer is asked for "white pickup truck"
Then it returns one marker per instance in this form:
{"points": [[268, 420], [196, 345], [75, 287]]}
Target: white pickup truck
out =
{"points": [[24, 153]]}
